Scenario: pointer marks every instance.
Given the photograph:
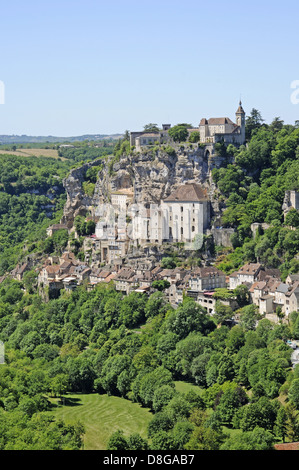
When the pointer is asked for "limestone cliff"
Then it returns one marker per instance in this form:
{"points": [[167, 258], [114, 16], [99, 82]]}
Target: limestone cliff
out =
{"points": [[77, 203], [151, 176]]}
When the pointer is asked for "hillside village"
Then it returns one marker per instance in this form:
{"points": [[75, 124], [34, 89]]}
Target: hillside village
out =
{"points": [[159, 264], [131, 232]]}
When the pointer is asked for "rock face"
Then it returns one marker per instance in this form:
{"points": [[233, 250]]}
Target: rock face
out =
{"points": [[77, 202], [151, 177], [291, 201]]}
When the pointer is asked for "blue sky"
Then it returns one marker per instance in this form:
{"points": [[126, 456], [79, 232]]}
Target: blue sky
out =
{"points": [[73, 67]]}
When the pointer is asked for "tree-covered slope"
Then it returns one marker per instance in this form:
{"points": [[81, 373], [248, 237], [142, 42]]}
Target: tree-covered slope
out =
{"points": [[253, 190]]}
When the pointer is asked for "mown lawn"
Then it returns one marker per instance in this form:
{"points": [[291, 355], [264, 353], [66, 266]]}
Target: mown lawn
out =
{"points": [[101, 415], [185, 387]]}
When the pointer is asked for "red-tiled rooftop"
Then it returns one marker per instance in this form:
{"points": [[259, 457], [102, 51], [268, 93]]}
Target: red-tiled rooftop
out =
{"points": [[188, 193], [287, 446]]}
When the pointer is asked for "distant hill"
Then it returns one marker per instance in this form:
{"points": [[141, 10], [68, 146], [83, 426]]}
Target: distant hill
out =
{"points": [[25, 139]]}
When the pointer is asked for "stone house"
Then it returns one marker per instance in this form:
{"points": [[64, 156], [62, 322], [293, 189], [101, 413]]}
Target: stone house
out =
{"points": [[266, 304], [121, 199], [257, 290], [67, 269], [19, 271], [140, 139], [101, 275], [247, 274], [126, 280], [292, 299], [292, 278], [215, 130], [206, 279], [272, 293]]}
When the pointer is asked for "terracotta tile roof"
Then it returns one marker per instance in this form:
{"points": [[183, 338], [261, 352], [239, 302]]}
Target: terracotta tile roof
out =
{"points": [[287, 446], [267, 273], [293, 289], [22, 268], [109, 278], [125, 274], [234, 274], [188, 193], [260, 285], [250, 268], [273, 286], [54, 268], [104, 273]]}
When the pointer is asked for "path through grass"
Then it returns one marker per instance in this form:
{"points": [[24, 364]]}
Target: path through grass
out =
{"points": [[101, 415]]}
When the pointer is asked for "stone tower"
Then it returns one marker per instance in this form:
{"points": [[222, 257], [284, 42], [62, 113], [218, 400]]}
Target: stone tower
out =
{"points": [[240, 121]]}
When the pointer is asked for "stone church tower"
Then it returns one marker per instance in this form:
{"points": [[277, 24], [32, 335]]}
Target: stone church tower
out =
{"points": [[240, 121]]}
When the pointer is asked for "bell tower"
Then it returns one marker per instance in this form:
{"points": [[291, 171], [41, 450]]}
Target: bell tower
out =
{"points": [[240, 121]]}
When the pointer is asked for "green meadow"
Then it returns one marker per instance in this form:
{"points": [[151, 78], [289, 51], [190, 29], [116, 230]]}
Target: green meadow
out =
{"points": [[101, 415]]}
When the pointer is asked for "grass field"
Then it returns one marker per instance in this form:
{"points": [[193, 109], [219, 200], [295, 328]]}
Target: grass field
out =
{"points": [[101, 415], [51, 153], [185, 387]]}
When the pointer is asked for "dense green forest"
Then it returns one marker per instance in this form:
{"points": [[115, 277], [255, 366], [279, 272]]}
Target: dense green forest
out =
{"points": [[136, 347], [246, 393], [252, 190], [32, 197]]}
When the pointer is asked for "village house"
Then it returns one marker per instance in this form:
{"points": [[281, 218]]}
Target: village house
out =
{"points": [[121, 199], [101, 275], [266, 289], [206, 278], [19, 271], [63, 272], [140, 139], [126, 280], [272, 294], [247, 274], [292, 299]]}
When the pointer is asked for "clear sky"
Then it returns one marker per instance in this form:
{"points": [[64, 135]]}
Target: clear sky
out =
{"points": [[72, 67]]}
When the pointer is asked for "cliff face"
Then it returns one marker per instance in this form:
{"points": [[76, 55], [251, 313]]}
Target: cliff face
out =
{"points": [[150, 176], [77, 203]]}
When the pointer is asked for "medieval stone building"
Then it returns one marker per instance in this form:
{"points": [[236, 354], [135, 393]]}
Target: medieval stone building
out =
{"points": [[222, 129]]}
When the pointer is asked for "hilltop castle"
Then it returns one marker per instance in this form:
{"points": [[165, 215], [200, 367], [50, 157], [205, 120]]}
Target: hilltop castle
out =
{"points": [[211, 131], [223, 129]]}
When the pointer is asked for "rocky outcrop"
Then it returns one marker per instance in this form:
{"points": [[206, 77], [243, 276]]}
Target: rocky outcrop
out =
{"points": [[291, 201], [77, 202], [151, 176]]}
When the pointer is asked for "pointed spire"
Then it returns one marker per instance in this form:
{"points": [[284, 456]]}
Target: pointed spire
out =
{"points": [[240, 108]]}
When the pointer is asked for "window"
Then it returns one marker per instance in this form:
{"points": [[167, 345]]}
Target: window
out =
{"points": [[182, 208]]}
